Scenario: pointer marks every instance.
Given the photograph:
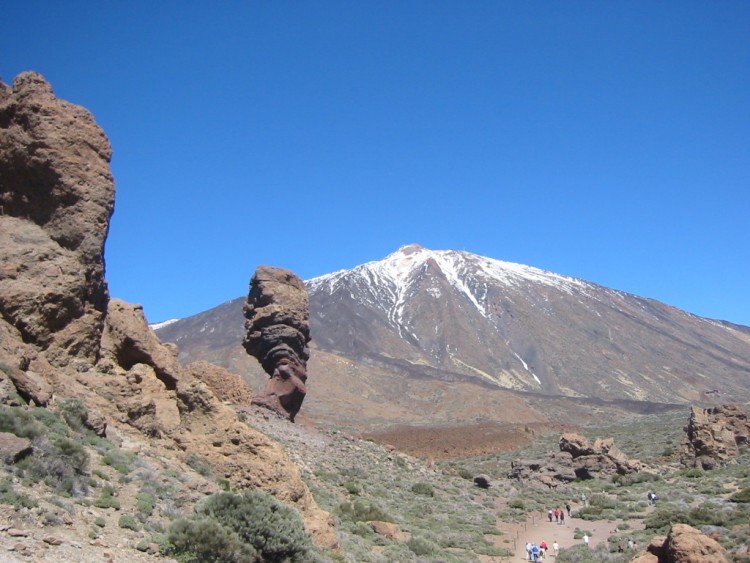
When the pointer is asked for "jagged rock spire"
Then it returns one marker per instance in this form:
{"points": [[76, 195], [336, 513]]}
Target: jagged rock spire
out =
{"points": [[277, 332]]}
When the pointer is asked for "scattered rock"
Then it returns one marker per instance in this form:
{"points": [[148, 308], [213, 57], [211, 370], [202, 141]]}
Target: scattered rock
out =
{"points": [[389, 530], [53, 540], [278, 330], [14, 448]]}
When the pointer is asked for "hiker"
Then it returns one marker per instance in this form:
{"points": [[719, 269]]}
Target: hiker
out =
{"points": [[535, 552], [528, 550], [543, 547], [557, 515], [549, 515], [562, 517], [586, 540], [555, 548], [567, 507], [583, 500]]}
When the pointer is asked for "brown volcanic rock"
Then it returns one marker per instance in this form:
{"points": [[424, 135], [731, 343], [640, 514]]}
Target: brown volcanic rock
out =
{"points": [[227, 386], [684, 544], [61, 336], [577, 459], [128, 340], [56, 199], [278, 330], [712, 435]]}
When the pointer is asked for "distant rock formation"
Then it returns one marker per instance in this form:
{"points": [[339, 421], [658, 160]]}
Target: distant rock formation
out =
{"points": [[577, 459], [62, 337], [713, 436], [278, 330], [603, 457], [684, 544]]}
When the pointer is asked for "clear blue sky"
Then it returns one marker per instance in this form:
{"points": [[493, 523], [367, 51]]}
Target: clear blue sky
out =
{"points": [[603, 140]]}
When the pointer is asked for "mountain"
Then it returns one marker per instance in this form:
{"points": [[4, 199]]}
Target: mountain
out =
{"points": [[426, 319]]}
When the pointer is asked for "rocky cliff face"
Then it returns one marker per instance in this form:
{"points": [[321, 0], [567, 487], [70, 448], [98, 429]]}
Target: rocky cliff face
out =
{"points": [[56, 198], [62, 337]]}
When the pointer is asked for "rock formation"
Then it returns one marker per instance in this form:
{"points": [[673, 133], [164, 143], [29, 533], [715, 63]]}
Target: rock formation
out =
{"points": [[684, 544], [577, 459], [278, 330], [62, 337], [713, 436], [56, 199]]}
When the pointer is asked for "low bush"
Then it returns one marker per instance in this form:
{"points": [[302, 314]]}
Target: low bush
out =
{"points": [[73, 412], [741, 496], [275, 531], [108, 499], [362, 511], [9, 496], [145, 504], [206, 540], [424, 489], [422, 546], [128, 522]]}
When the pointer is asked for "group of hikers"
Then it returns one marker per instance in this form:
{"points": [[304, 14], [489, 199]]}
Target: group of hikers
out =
{"points": [[537, 552], [558, 514]]}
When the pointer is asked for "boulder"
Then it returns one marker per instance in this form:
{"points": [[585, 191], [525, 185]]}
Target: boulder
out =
{"points": [[277, 332], [128, 341], [684, 544], [227, 386], [14, 448]]}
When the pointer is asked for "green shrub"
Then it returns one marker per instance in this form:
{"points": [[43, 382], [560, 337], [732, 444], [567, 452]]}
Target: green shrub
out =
{"points": [[128, 522], [9, 496], [195, 462], [362, 510], [741, 496], [60, 462], [145, 503], [121, 461], [422, 546], [205, 540], [73, 412], [423, 489], [108, 499], [517, 503], [353, 488], [275, 531], [99, 521]]}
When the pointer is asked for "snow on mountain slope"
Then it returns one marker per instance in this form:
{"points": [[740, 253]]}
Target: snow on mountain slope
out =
{"points": [[518, 327]]}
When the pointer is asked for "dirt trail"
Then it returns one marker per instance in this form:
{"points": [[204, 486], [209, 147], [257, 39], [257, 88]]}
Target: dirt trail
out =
{"points": [[538, 529]]}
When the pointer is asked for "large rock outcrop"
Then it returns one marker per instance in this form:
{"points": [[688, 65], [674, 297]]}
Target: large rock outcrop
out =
{"points": [[278, 330], [56, 199], [684, 544], [62, 337], [577, 459], [713, 436]]}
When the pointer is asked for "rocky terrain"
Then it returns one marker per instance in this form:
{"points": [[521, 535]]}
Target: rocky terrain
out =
{"points": [[114, 450], [62, 338]]}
